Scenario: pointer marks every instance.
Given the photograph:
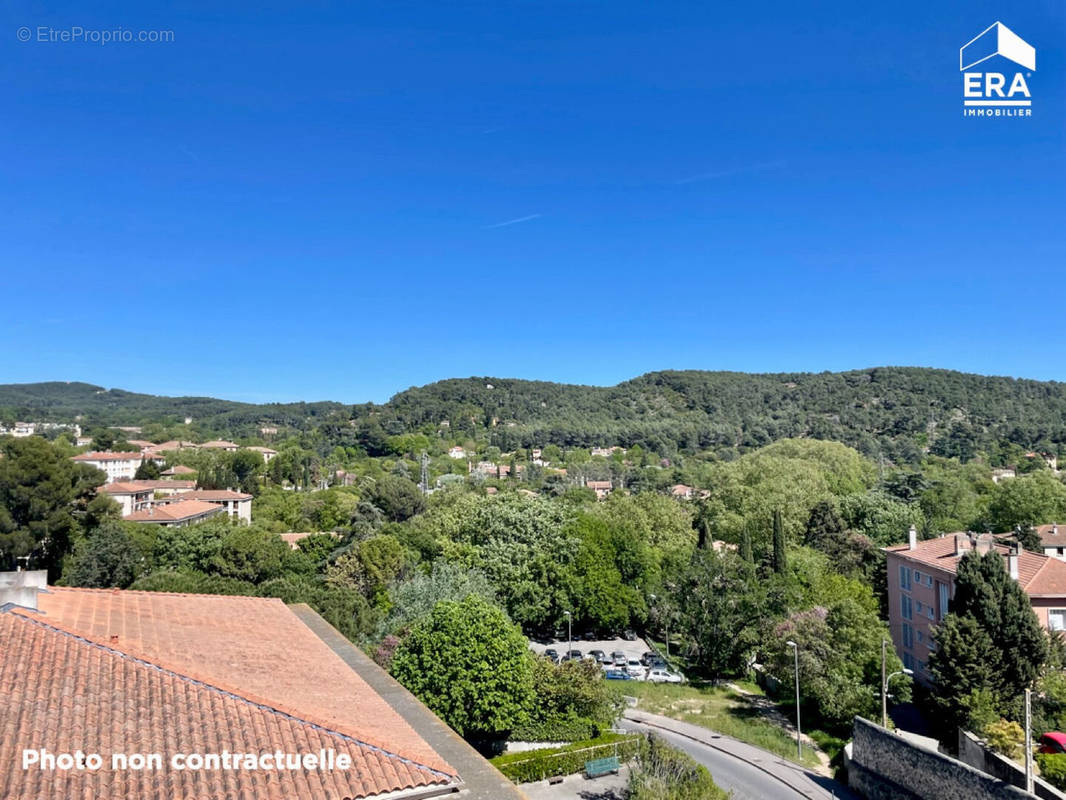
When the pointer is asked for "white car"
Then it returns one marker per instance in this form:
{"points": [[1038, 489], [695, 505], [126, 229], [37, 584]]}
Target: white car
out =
{"points": [[664, 676], [636, 670]]}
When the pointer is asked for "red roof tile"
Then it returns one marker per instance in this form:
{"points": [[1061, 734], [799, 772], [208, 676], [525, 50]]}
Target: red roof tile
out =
{"points": [[112, 671], [108, 456], [177, 511], [1038, 574]]}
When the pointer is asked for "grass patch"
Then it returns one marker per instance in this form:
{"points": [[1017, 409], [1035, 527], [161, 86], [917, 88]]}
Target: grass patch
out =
{"points": [[719, 709]]}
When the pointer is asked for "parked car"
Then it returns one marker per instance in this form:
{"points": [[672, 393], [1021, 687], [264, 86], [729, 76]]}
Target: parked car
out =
{"points": [[635, 669], [664, 676], [618, 658], [596, 654], [573, 655], [1053, 742], [589, 636], [553, 654], [648, 656], [630, 636], [617, 675]]}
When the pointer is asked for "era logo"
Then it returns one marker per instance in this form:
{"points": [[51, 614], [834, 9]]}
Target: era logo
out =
{"points": [[992, 86], [993, 91]]}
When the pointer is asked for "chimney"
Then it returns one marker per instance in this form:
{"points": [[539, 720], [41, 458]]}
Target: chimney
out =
{"points": [[1012, 560], [912, 538], [21, 588], [962, 543], [1054, 529], [985, 541]]}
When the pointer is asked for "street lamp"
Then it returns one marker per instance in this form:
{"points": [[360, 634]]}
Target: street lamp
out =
{"points": [[885, 679], [796, 654], [569, 635]]}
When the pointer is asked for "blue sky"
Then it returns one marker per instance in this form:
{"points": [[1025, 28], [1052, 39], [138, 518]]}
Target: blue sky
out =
{"points": [[338, 201]]}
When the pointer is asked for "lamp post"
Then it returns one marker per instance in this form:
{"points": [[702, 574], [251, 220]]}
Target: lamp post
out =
{"points": [[796, 655], [569, 635], [884, 684]]}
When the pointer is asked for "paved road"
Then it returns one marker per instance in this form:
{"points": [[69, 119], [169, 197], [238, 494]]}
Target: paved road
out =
{"points": [[740, 767]]}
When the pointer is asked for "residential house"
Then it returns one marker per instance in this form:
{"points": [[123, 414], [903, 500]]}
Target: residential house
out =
{"points": [[268, 430], [266, 452], [921, 584], [177, 469], [601, 488], [176, 513], [681, 491], [1003, 474], [230, 674], [128, 495], [173, 444], [83, 441], [221, 444], [1053, 540], [607, 452], [117, 466], [456, 452], [236, 504]]}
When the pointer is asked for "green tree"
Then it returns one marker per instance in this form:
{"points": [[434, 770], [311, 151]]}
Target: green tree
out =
{"points": [[147, 471], [780, 561], [108, 558], [41, 490], [471, 665], [398, 498], [1033, 499], [993, 630]]}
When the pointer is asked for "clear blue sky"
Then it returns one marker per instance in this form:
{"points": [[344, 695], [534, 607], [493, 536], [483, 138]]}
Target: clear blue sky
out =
{"points": [[338, 201]]}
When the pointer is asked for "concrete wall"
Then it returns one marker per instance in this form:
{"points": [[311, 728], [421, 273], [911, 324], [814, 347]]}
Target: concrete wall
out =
{"points": [[884, 766], [974, 753]]}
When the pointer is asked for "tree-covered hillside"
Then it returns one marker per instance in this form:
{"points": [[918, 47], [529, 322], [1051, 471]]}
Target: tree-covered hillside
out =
{"points": [[894, 412]]}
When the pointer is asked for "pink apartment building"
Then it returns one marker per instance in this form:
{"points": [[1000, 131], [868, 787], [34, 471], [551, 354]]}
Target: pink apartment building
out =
{"points": [[921, 583]]}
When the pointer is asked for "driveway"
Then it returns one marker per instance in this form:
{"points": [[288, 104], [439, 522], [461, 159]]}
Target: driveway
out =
{"points": [[578, 787], [749, 772]]}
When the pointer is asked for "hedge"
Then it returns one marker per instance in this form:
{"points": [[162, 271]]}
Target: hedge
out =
{"points": [[536, 765], [560, 729], [1053, 768]]}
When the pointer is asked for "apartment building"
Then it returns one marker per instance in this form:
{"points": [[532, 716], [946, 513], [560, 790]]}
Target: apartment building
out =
{"points": [[921, 584], [116, 466]]}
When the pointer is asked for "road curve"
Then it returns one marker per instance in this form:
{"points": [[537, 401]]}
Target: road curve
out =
{"points": [[736, 772]]}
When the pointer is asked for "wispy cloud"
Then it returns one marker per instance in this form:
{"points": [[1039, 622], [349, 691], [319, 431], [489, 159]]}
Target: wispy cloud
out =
{"points": [[513, 221], [725, 173]]}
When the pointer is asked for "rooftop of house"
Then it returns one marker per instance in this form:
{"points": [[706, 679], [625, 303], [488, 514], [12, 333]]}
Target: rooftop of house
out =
{"points": [[598, 484], [173, 444], [208, 495], [134, 486], [107, 455], [178, 511], [179, 469], [219, 443], [1053, 535], [194, 674], [1038, 574], [259, 449]]}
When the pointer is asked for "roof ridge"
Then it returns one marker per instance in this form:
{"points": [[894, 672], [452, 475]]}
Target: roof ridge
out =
{"points": [[90, 590], [145, 663]]}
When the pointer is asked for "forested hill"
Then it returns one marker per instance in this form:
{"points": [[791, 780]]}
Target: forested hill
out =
{"points": [[897, 412], [58, 401]]}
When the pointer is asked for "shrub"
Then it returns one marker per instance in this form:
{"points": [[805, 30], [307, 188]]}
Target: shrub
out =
{"points": [[1005, 737], [556, 729], [1053, 768], [665, 773], [536, 765]]}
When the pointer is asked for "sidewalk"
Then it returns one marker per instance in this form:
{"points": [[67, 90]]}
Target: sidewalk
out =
{"points": [[805, 782]]}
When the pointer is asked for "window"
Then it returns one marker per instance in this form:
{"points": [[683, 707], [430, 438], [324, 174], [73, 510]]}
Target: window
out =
{"points": [[905, 606], [917, 577], [929, 580], [1056, 619], [929, 613], [943, 592], [919, 607], [908, 636], [908, 661], [921, 637], [904, 578]]}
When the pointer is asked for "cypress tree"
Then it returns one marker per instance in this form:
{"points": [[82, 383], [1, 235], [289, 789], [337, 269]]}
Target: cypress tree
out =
{"points": [[745, 546], [780, 558]]}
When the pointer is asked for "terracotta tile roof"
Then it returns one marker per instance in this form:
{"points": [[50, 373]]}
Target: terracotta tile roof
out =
{"points": [[108, 456], [178, 511], [219, 443], [208, 495], [173, 444], [123, 487], [179, 469], [111, 671], [1053, 535], [127, 487], [1038, 574]]}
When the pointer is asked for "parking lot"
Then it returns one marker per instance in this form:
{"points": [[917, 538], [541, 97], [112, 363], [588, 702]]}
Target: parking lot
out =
{"points": [[633, 650]]}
